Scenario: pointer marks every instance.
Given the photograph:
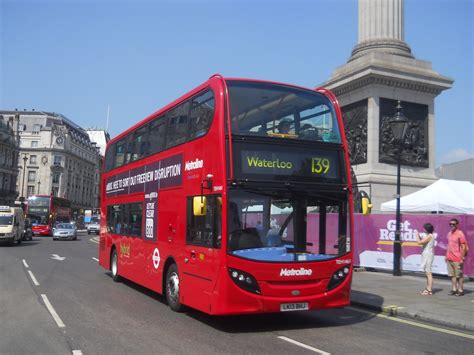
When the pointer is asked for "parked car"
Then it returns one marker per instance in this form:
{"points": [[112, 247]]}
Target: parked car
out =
{"points": [[93, 227], [65, 231]]}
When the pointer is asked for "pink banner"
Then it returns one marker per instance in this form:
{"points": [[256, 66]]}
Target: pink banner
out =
{"points": [[374, 235]]}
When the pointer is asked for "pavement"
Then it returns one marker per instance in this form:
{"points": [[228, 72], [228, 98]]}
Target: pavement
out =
{"points": [[400, 296]]}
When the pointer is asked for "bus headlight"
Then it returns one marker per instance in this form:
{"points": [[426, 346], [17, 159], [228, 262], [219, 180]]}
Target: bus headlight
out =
{"points": [[244, 280], [337, 278]]}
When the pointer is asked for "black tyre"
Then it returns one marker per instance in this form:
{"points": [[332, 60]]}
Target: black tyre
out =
{"points": [[114, 266], [172, 289]]}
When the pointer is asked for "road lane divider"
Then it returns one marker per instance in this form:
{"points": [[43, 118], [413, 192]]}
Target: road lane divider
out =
{"points": [[416, 324], [53, 313], [95, 259], [76, 352], [33, 278], [313, 349], [94, 240], [24, 263]]}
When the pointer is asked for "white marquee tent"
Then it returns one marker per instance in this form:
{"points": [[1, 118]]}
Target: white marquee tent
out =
{"points": [[448, 196]]}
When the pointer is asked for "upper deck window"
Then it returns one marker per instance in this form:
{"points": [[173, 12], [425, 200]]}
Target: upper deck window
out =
{"points": [[189, 120], [272, 110]]}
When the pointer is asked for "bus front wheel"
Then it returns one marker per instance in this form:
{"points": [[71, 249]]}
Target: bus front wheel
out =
{"points": [[172, 289], [114, 266]]}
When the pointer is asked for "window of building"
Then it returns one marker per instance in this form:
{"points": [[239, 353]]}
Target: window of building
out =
{"points": [[34, 144], [30, 190], [56, 177], [36, 128], [57, 160], [31, 176], [33, 160]]}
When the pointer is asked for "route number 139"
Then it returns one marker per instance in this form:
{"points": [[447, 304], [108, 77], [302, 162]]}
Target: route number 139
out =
{"points": [[320, 165]]}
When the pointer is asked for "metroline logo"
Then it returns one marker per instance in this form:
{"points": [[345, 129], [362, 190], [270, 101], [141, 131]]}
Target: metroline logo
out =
{"points": [[296, 272], [193, 165]]}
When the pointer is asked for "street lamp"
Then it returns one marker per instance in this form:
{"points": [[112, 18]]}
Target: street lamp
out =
{"points": [[22, 198], [39, 184], [398, 124]]}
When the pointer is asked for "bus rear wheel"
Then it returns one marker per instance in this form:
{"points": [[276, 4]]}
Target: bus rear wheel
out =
{"points": [[172, 289], [114, 266]]}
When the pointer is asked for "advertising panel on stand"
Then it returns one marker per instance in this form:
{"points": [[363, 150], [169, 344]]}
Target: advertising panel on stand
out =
{"points": [[375, 235]]}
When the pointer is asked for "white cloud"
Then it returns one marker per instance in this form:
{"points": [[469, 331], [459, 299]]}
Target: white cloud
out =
{"points": [[455, 155]]}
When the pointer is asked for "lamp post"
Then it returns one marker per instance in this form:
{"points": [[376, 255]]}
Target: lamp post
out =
{"points": [[398, 124], [39, 184], [22, 198]]}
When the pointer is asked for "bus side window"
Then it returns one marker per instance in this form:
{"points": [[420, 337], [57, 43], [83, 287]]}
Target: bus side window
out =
{"points": [[120, 153], [129, 152], [177, 125], [135, 214], [110, 158], [114, 219], [140, 144], [157, 135], [200, 116], [205, 229]]}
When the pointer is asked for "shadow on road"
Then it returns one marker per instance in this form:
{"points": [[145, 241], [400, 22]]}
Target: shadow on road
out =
{"points": [[272, 321], [282, 321]]}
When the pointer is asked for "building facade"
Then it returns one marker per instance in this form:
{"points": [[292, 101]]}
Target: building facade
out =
{"points": [[461, 170], [56, 157], [8, 159]]}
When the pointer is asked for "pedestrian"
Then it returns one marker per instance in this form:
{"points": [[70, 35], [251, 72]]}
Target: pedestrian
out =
{"points": [[427, 256], [457, 250]]}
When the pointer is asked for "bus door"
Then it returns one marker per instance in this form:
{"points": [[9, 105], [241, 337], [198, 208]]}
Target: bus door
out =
{"points": [[203, 243]]}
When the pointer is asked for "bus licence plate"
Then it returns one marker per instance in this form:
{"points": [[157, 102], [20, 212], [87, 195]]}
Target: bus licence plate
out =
{"points": [[287, 307]]}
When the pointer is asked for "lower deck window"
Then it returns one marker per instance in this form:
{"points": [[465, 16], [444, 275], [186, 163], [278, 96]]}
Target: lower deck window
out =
{"points": [[125, 219]]}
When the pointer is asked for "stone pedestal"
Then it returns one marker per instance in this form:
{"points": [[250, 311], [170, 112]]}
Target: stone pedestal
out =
{"points": [[381, 71]]}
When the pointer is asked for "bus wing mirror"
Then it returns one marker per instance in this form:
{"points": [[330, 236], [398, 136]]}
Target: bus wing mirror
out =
{"points": [[366, 206], [199, 205]]}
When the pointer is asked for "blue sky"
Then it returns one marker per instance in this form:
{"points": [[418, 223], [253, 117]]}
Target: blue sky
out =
{"points": [[78, 57]]}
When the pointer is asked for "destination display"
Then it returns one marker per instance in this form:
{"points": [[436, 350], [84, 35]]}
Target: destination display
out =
{"points": [[278, 163]]}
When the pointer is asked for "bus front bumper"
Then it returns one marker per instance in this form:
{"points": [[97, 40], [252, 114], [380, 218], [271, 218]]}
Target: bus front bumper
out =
{"points": [[234, 300]]}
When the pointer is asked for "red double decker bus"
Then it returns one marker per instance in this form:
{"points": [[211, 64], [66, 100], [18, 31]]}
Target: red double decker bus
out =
{"points": [[235, 198], [45, 210]]}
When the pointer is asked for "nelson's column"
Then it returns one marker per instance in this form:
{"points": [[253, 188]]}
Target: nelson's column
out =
{"points": [[381, 71]]}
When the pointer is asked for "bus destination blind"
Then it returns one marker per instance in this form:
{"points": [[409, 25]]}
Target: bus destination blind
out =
{"points": [[318, 164]]}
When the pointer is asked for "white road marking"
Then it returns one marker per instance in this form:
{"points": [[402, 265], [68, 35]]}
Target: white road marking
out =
{"points": [[33, 278], [57, 257], [93, 240], [304, 345], [76, 352], [24, 263], [95, 259], [51, 310], [416, 324]]}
